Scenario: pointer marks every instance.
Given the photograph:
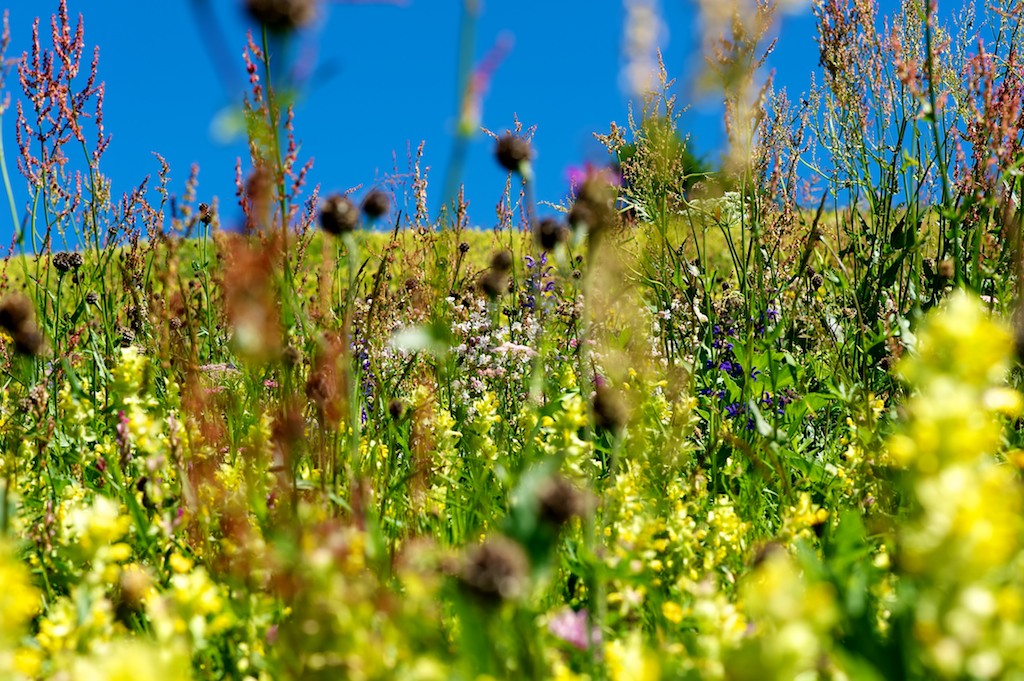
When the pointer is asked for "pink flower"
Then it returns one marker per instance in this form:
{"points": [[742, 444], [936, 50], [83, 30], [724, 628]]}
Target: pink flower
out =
{"points": [[577, 175], [571, 626]]}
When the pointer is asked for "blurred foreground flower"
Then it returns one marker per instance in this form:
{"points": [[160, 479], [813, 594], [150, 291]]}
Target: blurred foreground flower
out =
{"points": [[281, 16]]}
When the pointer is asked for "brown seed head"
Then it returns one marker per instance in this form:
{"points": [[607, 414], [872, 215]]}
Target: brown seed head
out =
{"points": [[127, 336], [501, 261], [133, 586], [259, 195], [205, 214], [494, 284], [291, 356], [338, 215], [609, 410], [376, 204], [594, 208], [66, 262], [396, 409], [281, 16], [495, 571], [512, 153], [16, 310], [28, 340], [549, 232], [559, 501]]}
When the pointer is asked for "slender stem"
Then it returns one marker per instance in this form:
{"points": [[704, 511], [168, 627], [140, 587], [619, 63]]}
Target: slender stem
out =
{"points": [[939, 153], [15, 226]]}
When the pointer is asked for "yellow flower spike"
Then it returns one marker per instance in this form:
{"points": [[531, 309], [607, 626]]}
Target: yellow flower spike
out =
{"points": [[1016, 457], [628, 661], [1003, 400], [19, 599], [119, 552], [28, 662], [127, 659], [672, 611], [179, 563]]}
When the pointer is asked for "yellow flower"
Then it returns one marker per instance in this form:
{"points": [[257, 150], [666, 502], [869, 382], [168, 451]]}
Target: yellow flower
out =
{"points": [[134, 660], [180, 563], [19, 599], [628, 661], [672, 611]]}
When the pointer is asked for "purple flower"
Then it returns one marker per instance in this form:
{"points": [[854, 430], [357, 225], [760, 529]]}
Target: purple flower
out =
{"points": [[735, 409], [571, 626]]}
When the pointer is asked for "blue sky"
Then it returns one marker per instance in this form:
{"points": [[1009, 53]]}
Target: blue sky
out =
{"points": [[388, 83]]}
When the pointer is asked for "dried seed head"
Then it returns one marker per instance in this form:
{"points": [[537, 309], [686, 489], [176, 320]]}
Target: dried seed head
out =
{"points": [[594, 209], [205, 214], [396, 409], [281, 16], [338, 215], [91, 298], [495, 571], [291, 357], [501, 261], [16, 311], [289, 428], [549, 232], [494, 284], [559, 501], [463, 247], [133, 586], [609, 410], [513, 153], [28, 340], [376, 204], [259, 195], [768, 551], [127, 336], [66, 262]]}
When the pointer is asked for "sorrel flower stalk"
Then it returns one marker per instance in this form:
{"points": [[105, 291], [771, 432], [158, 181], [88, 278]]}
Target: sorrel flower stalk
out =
{"points": [[274, 207]]}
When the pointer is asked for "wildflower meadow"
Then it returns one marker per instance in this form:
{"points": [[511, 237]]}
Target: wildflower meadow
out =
{"points": [[750, 420]]}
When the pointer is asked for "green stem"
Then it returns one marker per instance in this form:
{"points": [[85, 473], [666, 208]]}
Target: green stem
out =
{"points": [[7, 188]]}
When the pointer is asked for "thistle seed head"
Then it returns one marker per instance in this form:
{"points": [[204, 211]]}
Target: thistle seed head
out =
{"points": [[338, 215], [512, 153]]}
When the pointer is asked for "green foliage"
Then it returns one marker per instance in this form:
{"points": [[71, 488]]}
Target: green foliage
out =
{"points": [[713, 434]]}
